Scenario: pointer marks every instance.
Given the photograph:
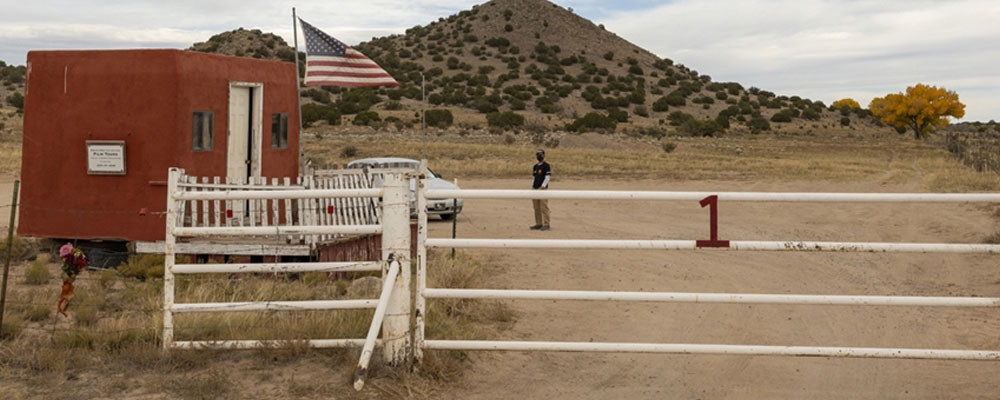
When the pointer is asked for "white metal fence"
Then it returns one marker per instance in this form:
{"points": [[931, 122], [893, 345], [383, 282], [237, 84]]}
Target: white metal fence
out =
{"points": [[706, 199], [392, 308]]}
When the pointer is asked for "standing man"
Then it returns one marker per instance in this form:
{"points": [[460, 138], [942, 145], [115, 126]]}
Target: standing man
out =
{"points": [[541, 174]]}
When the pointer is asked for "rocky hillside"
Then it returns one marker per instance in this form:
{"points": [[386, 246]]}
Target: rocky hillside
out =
{"points": [[11, 98], [542, 61], [247, 43]]}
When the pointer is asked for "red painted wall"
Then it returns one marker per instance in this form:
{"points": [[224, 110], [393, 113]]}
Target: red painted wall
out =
{"points": [[146, 98]]}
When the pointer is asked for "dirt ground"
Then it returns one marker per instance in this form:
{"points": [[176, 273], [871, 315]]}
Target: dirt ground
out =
{"points": [[504, 375]]}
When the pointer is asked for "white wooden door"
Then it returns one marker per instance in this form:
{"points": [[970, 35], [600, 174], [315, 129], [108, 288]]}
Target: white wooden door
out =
{"points": [[239, 137]]}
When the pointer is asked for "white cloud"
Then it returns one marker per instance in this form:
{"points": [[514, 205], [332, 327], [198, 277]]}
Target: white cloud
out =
{"points": [[827, 49]]}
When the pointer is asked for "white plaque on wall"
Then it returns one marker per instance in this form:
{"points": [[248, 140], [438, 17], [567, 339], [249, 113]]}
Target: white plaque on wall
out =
{"points": [[106, 157]]}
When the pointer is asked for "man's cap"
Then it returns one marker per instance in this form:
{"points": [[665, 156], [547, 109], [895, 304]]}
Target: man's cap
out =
{"points": [[540, 151]]}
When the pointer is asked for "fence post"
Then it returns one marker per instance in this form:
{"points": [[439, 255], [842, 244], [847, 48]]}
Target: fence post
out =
{"points": [[396, 241], [420, 303], [10, 252], [168, 258]]}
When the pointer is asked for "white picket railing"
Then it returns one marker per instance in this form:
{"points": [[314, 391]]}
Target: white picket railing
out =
{"points": [[321, 198], [714, 244], [280, 210]]}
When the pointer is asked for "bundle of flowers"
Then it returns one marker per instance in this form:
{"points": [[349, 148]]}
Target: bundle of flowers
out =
{"points": [[74, 261]]}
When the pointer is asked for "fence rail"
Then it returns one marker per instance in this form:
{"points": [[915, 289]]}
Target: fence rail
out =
{"points": [[723, 196], [745, 245]]}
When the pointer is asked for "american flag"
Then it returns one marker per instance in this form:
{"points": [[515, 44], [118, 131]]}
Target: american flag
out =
{"points": [[330, 62]]}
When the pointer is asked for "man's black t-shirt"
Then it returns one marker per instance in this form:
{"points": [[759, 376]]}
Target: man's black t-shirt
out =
{"points": [[540, 171]]}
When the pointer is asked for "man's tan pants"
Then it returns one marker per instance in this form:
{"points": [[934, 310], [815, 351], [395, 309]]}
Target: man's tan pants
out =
{"points": [[541, 211]]}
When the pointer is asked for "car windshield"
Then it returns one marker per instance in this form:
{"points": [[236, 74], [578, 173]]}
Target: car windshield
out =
{"points": [[433, 174]]}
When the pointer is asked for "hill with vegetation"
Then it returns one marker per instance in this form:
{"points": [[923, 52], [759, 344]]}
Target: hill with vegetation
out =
{"points": [[513, 61]]}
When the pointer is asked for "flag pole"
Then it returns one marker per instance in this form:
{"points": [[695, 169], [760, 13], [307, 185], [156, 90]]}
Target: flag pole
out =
{"points": [[298, 93], [423, 112]]}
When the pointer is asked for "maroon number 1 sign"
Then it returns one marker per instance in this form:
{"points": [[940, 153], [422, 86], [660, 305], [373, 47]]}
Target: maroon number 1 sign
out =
{"points": [[713, 210]]}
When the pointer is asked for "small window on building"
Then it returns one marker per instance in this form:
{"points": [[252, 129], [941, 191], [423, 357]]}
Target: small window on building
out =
{"points": [[202, 126], [279, 131]]}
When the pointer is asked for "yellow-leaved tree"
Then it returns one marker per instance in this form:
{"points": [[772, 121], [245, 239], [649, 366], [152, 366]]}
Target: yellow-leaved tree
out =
{"points": [[848, 102], [922, 108]]}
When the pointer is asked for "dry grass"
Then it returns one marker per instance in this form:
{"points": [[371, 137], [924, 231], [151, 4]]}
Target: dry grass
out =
{"points": [[761, 158], [10, 154], [38, 272], [112, 334]]}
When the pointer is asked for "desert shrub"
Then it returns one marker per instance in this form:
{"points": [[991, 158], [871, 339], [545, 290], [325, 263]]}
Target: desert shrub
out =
{"points": [[349, 151], [641, 111], [676, 98], [320, 96], [758, 124], [781, 117], [696, 127], [39, 312], [651, 131], [319, 112], [669, 147], [592, 121], [17, 248], [439, 118], [38, 272], [677, 118], [845, 121], [505, 120], [142, 267], [498, 42], [721, 95], [810, 114], [722, 121], [508, 139], [635, 70], [508, 28], [703, 100], [661, 104], [609, 56], [16, 100], [617, 114], [366, 118]]}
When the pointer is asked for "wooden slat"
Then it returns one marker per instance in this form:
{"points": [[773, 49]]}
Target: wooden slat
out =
{"points": [[262, 207], [287, 204], [215, 206], [251, 204], [194, 204], [275, 217], [204, 206], [229, 206]]}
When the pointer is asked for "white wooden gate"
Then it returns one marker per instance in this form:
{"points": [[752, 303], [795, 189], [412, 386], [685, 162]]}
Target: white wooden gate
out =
{"points": [[706, 199]]}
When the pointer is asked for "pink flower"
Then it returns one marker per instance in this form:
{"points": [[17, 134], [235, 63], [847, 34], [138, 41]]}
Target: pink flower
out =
{"points": [[65, 250]]}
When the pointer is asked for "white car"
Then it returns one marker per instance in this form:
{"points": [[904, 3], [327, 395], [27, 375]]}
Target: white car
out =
{"points": [[446, 208]]}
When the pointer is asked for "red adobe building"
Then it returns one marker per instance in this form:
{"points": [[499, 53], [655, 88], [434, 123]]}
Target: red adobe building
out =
{"points": [[101, 128]]}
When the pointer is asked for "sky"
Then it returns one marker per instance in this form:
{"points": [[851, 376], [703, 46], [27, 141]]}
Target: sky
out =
{"points": [[819, 49]]}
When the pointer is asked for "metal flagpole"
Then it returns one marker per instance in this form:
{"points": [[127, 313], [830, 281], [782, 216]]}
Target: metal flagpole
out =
{"points": [[423, 113], [298, 93]]}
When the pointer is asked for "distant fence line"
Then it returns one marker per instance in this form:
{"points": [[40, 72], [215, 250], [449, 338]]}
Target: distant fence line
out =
{"points": [[980, 150]]}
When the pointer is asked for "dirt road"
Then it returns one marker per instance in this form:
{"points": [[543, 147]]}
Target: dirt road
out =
{"points": [[6, 189], [505, 375]]}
